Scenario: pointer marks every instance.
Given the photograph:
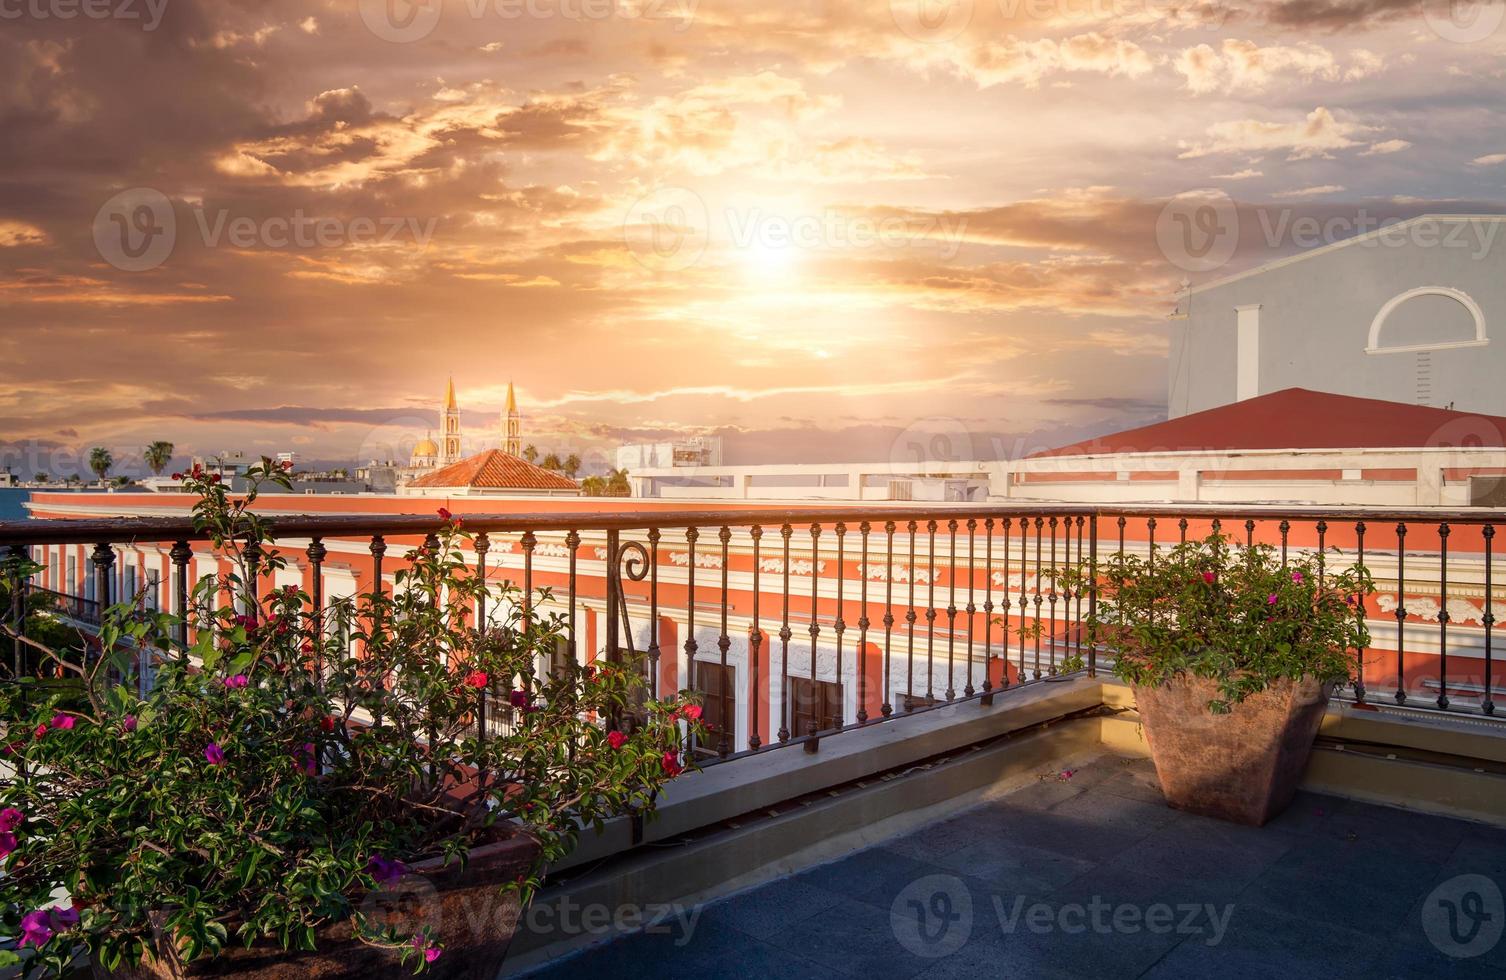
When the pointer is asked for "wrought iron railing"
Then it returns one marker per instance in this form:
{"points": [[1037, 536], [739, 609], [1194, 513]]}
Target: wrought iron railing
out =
{"points": [[800, 622], [78, 608]]}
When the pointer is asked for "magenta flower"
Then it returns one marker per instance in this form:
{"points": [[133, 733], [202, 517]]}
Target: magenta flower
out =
{"points": [[518, 699], [239, 680], [10, 819], [128, 723], [385, 869], [62, 721], [1209, 577], [421, 943], [1270, 600], [64, 918], [305, 758], [1297, 577], [214, 755], [36, 928], [7, 843]]}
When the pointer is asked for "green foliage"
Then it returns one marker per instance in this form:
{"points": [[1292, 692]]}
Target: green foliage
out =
{"points": [[285, 753], [158, 455], [1241, 616], [100, 461]]}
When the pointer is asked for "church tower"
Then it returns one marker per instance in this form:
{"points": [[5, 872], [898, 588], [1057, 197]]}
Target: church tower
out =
{"points": [[512, 426], [449, 425]]}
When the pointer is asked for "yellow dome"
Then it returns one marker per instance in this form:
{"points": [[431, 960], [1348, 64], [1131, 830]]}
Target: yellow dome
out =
{"points": [[425, 447]]}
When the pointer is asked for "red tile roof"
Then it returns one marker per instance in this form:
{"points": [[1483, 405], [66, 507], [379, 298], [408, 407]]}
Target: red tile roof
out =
{"points": [[496, 470], [1300, 419]]}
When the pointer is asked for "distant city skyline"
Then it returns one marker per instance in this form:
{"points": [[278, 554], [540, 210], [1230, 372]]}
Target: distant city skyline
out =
{"points": [[827, 232]]}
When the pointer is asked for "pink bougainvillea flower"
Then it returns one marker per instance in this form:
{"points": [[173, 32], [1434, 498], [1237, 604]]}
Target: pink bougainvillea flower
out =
{"points": [[327, 723], [616, 739], [385, 869], [64, 918], [128, 723], [671, 763], [7, 843], [36, 928], [239, 680], [1209, 577], [214, 755], [518, 699], [10, 819], [63, 722], [305, 758], [41, 730], [1297, 577], [432, 953], [476, 679], [178, 477], [691, 711], [1270, 600]]}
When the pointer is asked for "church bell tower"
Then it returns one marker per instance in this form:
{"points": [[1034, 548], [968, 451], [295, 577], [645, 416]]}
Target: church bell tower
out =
{"points": [[512, 426], [449, 423]]}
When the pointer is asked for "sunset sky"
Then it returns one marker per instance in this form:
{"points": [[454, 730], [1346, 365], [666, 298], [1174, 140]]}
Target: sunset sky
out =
{"points": [[819, 229]]}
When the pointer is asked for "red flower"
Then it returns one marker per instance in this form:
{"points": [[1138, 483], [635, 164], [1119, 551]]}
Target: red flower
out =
{"points": [[616, 739], [476, 679], [1209, 577], [671, 763], [691, 711], [178, 477], [327, 723], [444, 513], [518, 699]]}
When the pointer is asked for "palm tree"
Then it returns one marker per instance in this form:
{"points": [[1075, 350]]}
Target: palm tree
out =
{"points": [[572, 465], [100, 461], [158, 455], [530, 453], [552, 462], [617, 484]]}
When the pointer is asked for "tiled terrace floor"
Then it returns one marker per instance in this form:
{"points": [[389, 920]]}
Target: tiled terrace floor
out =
{"points": [[1096, 877]]}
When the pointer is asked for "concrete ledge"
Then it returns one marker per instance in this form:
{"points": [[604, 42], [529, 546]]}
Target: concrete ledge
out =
{"points": [[754, 783]]}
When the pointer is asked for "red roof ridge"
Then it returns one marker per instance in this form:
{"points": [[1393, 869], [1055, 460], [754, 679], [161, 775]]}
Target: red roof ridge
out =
{"points": [[494, 469], [1300, 418]]}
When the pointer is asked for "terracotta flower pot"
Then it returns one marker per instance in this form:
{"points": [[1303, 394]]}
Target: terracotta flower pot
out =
{"points": [[1243, 766], [466, 911]]}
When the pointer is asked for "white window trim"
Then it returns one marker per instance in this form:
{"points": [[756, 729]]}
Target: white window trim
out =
{"points": [[1457, 295]]}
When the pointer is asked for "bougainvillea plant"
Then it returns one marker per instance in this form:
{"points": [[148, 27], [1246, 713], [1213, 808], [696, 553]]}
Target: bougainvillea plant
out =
{"points": [[1244, 617], [285, 761]]}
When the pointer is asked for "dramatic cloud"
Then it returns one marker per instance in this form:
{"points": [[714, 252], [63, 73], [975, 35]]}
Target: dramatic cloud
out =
{"points": [[806, 226]]}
